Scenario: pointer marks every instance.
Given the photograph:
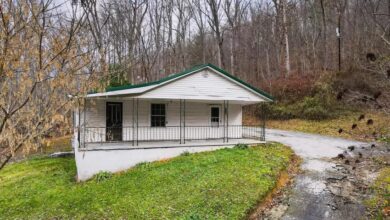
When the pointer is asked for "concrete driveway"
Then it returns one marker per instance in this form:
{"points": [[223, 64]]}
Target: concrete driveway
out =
{"points": [[310, 197]]}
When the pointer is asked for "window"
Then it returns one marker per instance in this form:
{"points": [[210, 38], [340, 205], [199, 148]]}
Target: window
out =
{"points": [[157, 115], [215, 116]]}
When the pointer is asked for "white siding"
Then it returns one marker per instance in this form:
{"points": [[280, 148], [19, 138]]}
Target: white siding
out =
{"points": [[204, 85], [197, 115]]}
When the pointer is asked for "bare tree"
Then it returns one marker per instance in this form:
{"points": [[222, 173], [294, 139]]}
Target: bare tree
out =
{"points": [[235, 11], [43, 58], [281, 10], [96, 24], [214, 19], [196, 11]]}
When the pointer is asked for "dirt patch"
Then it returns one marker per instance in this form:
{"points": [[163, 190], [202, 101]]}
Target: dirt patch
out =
{"points": [[356, 171], [272, 207]]}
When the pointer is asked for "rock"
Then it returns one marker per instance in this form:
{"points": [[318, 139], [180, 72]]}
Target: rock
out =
{"points": [[336, 178], [341, 156]]}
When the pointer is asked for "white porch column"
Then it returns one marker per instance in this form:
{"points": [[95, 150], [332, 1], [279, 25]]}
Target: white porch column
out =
{"points": [[136, 136], [85, 115], [225, 121], [78, 125], [182, 121], [263, 122], [133, 122]]}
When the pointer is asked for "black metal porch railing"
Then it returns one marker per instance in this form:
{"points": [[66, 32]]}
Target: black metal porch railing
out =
{"points": [[170, 133]]}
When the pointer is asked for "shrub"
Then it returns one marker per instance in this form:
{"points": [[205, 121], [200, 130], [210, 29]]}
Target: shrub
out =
{"points": [[321, 105], [277, 111], [316, 113], [102, 176], [241, 146], [292, 87], [314, 108]]}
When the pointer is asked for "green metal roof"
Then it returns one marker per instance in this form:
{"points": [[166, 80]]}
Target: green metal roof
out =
{"points": [[193, 69]]}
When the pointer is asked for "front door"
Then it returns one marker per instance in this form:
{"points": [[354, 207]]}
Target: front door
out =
{"points": [[215, 116], [114, 121]]}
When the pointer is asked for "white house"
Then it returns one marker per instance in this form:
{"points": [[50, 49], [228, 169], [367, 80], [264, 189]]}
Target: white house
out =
{"points": [[196, 110]]}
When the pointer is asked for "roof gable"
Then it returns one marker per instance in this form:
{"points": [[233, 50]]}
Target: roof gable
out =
{"points": [[206, 84], [143, 89]]}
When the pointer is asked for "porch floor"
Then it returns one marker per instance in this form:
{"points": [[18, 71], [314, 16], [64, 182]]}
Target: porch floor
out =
{"points": [[166, 144]]}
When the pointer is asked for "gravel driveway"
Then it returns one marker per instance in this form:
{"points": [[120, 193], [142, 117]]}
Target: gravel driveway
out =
{"points": [[310, 198]]}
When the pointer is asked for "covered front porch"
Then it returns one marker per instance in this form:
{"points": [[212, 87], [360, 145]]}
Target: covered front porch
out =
{"points": [[132, 123]]}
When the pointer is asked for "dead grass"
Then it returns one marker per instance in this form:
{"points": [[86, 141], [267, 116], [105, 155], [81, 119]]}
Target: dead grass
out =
{"points": [[49, 146], [57, 144], [379, 128]]}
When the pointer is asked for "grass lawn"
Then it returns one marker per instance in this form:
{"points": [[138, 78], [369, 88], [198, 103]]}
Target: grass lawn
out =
{"points": [[223, 184], [332, 126]]}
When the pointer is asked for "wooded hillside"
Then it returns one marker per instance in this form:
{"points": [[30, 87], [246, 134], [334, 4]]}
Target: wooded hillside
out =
{"points": [[255, 40]]}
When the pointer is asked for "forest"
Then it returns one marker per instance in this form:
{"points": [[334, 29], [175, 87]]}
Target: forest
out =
{"points": [[308, 54]]}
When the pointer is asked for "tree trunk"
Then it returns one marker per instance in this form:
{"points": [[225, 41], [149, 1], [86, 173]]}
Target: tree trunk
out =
{"points": [[324, 29], [286, 42]]}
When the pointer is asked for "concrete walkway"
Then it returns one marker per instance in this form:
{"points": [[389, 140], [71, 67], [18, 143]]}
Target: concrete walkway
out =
{"points": [[310, 198]]}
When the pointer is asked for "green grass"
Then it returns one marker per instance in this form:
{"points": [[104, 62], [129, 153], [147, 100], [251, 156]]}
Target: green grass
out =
{"points": [[223, 184], [379, 203]]}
